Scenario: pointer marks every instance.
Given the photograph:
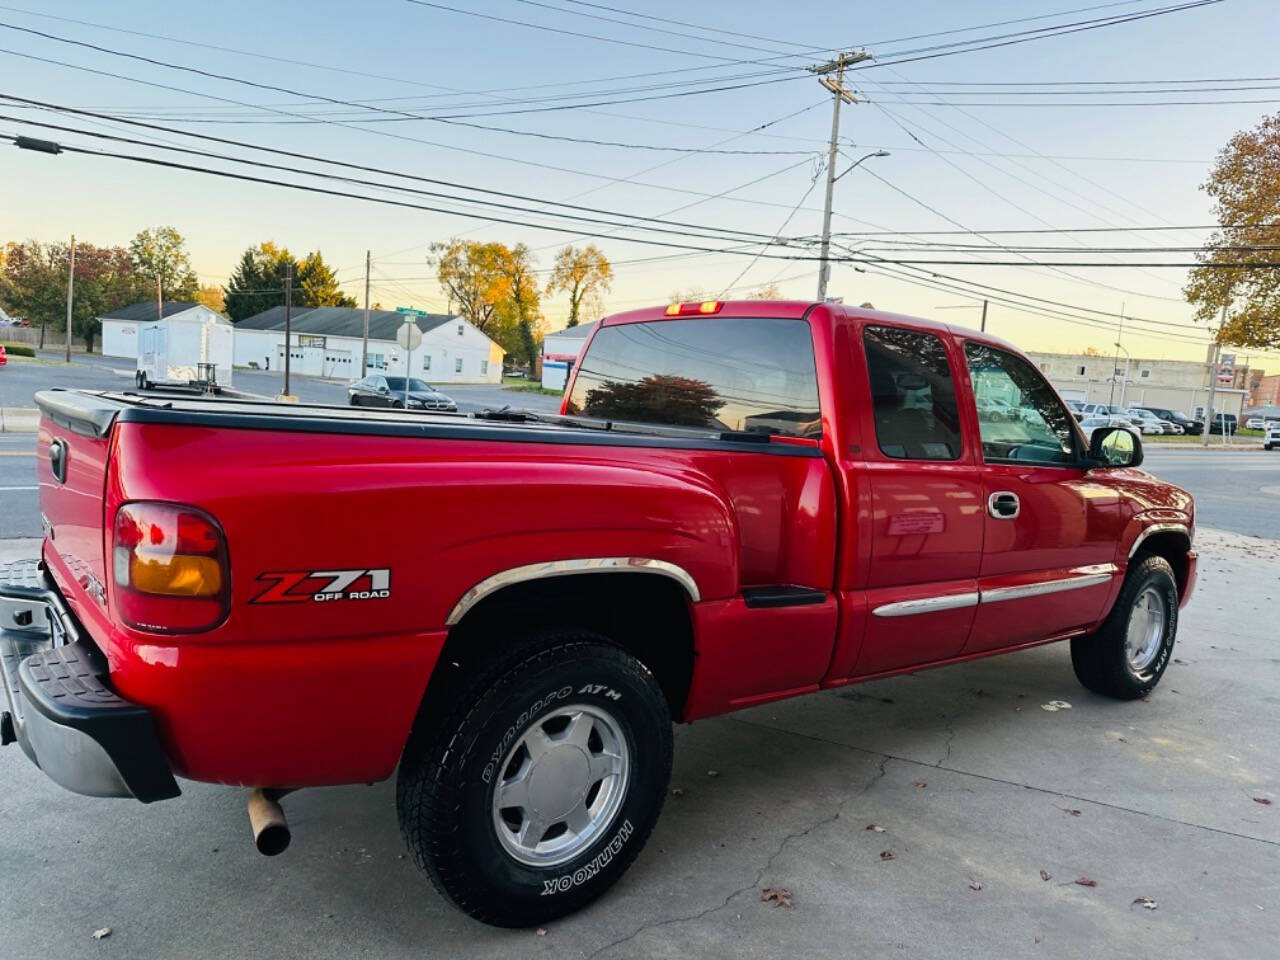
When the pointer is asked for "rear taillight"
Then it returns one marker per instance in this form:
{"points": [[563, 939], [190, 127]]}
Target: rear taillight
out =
{"points": [[169, 564]]}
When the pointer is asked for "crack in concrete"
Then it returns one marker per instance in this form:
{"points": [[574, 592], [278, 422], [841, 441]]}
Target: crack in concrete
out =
{"points": [[1013, 783], [760, 874], [951, 736]]}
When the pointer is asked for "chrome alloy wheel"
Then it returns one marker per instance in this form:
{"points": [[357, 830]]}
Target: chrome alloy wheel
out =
{"points": [[561, 785], [1145, 635]]}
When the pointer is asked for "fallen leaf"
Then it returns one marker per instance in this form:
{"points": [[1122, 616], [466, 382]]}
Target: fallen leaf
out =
{"points": [[102, 934], [1086, 882], [1046, 875], [974, 885], [1074, 813], [713, 773], [1053, 706], [1147, 902], [919, 784], [876, 827], [886, 854], [677, 792], [1265, 801], [542, 931], [780, 896]]}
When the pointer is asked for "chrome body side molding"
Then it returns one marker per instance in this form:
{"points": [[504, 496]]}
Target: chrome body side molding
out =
{"points": [[907, 608], [1159, 528], [1081, 577], [1090, 576], [566, 568]]}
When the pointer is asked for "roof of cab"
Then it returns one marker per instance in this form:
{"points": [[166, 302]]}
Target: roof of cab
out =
{"points": [[796, 309]]}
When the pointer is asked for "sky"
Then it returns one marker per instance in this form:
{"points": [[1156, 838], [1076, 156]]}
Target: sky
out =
{"points": [[960, 158]]}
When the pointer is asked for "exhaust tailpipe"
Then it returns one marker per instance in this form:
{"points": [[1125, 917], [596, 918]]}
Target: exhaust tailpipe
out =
{"points": [[266, 818]]}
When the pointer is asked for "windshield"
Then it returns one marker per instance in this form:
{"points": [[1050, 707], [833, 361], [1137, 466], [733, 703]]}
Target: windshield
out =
{"points": [[397, 383]]}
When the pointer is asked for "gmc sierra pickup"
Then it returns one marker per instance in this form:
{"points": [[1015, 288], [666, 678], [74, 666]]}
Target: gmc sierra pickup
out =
{"points": [[738, 502]]}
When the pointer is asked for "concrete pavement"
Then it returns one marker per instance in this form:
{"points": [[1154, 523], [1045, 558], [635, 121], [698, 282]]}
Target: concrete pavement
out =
{"points": [[973, 782]]}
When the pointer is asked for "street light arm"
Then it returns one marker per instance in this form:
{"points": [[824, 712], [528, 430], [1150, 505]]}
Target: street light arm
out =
{"points": [[877, 153]]}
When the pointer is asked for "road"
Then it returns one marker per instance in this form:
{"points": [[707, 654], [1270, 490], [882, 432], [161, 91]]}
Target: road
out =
{"points": [[1234, 490], [972, 782]]}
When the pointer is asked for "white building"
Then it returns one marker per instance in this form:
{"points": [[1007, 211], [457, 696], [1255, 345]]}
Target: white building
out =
{"points": [[327, 342], [1173, 384], [120, 327], [560, 352]]}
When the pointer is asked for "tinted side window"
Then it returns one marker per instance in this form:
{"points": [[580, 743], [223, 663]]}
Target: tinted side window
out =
{"points": [[754, 374], [913, 395], [1019, 415]]}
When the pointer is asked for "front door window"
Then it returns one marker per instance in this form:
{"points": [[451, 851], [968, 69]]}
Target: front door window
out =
{"points": [[1020, 418]]}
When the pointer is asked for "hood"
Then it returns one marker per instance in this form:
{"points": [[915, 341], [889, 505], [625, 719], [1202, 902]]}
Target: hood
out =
{"points": [[428, 396]]}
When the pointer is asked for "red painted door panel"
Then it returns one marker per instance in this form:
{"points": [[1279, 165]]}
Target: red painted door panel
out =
{"points": [[925, 494], [1065, 534]]}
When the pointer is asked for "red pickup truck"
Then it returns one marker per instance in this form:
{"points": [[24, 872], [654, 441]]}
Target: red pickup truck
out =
{"points": [[738, 502]]}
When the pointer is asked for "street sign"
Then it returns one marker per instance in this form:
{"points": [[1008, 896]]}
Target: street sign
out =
{"points": [[1227, 368], [412, 312], [409, 336]]}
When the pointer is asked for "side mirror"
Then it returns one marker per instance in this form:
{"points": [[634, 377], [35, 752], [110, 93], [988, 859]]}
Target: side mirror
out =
{"points": [[1115, 447], [384, 389]]}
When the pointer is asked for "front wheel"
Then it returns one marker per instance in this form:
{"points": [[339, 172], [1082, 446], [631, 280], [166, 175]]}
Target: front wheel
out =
{"points": [[533, 796], [1127, 656]]}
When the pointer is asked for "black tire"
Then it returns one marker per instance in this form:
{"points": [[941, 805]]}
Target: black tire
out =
{"points": [[451, 770], [396, 404], [1101, 660], [354, 402]]}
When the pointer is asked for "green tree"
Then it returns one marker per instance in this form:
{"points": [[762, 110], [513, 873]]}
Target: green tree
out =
{"points": [[258, 281], [34, 284], [581, 274], [160, 254], [318, 284], [1245, 187], [210, 294], [659, 398]]}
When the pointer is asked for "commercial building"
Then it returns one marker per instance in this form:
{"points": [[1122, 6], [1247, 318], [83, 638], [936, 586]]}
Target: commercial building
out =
{"points": [[1173, 384], [327, 342], [560, 352]]}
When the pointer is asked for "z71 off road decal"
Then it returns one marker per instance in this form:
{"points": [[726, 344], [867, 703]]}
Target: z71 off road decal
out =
{"points": [[302, 586]]}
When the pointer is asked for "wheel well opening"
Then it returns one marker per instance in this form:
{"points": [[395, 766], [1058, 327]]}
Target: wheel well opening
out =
{"points": [[645, 614], [1172, 545]]}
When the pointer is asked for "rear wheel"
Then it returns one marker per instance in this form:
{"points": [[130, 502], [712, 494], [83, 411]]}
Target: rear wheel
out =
{"points": [[533, 796], [1128, 655]]}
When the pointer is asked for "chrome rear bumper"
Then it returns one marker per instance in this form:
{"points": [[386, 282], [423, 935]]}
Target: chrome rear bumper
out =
{"points": [[58, 702]]}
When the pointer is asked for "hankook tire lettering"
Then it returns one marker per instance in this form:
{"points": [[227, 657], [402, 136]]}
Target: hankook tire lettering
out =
{"points": [[591, 867]]}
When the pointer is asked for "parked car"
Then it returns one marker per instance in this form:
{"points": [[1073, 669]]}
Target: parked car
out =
{"points": [[738, 502], [1116, 415], [1271, 436], [1221, 420], [1188, 425], [377, 390], [1090, 424], [1148, 422], [1255, 423], [4, 357]]}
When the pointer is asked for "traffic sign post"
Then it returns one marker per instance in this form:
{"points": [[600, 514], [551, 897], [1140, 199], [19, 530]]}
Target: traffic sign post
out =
{"points": [[409, 336]]}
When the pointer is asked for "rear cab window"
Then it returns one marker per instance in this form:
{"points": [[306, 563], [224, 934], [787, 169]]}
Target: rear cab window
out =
{"points": [[755, 374], [913, 395]]}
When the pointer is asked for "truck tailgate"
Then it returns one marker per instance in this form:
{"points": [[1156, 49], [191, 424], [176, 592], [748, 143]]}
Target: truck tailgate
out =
{"points": [[72, 448]]}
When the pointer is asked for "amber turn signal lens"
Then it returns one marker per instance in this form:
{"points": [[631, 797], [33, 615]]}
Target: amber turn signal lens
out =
{"points": [[175, 575]]}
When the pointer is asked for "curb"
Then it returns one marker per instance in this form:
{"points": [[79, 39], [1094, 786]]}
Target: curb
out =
{"points": [[19, 419]]}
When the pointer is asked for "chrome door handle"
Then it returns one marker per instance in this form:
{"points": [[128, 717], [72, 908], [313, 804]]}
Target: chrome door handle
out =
{"points": [[1003, 505]]}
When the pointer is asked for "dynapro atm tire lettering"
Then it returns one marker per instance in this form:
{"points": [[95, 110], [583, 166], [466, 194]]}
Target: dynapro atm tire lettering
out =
{"points": [[318, 586]]}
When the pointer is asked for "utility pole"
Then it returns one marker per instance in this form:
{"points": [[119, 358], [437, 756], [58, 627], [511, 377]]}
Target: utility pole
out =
{"points": [[288, 323], [1119, 337], [71, 283], [364, 348], [159, 299], [983, 327], [839, 94], [1215, 354]]}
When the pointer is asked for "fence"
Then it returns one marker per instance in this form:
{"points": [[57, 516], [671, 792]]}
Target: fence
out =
{"points": [[30, 336]]}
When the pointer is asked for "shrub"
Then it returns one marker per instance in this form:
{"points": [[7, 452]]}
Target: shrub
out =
{"points": [[18, 350]]}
